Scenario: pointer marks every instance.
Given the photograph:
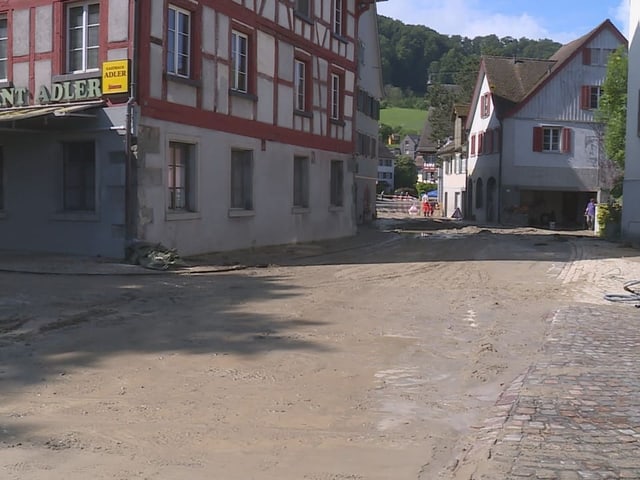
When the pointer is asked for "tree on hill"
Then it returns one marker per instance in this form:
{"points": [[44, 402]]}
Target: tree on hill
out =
{"points": [[410, 53], [417, 61]]}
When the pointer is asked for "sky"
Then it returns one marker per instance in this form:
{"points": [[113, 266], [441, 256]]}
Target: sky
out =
{"points": [[558, 20]]}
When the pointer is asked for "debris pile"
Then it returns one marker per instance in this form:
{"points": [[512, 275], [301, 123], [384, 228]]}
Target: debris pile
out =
{"points": [[154, 256]]}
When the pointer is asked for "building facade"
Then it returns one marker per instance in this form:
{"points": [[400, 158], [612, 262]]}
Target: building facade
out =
{"points": [[535, 147], [386, 169], [453, 158], [630, 213], [369, 93], [201, 125]]}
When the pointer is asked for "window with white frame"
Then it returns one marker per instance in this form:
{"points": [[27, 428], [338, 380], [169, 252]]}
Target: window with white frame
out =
{"points": [[336, 198], [239, 62], [552, 139], [338, 17], [300, 85], [179, 41], [83, 36], [4, 47], [594, 97], [596, 56], [591, 97], [79, 176], [300, 182], [303, 7], [242, 179], [336, 97], [181, 171]]}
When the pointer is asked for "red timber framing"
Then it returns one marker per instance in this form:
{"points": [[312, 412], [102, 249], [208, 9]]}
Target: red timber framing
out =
{"points": [[56, 55], [198, 117]]}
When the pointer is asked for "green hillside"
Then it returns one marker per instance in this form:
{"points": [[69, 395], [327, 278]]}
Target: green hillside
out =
{"points": [[408, 120]]}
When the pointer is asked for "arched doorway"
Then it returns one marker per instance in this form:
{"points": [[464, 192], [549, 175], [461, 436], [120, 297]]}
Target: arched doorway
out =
{"points": [[479, 194], [469, 205], [491, 196]]}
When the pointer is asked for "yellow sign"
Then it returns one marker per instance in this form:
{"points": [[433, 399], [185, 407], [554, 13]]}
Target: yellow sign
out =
{"points": [[115, 77]]}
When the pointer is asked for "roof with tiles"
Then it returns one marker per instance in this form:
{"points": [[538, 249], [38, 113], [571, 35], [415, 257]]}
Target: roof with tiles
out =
{"points": [[514, 80]]}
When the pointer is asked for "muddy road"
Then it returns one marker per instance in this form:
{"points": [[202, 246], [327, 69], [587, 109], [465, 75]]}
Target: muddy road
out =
{"points": [[379, 357]]}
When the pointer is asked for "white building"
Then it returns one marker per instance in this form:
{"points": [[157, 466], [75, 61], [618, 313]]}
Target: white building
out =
{"points": [[386, 166], [453, 157], [631, 188], [369, 93], [535, 153]]}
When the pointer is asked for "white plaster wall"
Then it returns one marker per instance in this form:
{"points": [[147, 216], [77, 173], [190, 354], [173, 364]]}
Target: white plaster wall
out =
{"points": [[223, 36], [576, 170], [209, 30], [269, 9], [208, 79], [157, 19], [44, 25], [242, 107], [181, 94], [285, 106], [118, 20], [266, 54], [21, 74], [451, 184], [370, 65], [212, 228], [155, 67], [117, 54], [42, 73], [630, 210], [20, 33], [479, 124], [266, 96]]}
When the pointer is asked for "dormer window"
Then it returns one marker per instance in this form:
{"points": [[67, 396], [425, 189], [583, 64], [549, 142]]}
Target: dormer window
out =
{"points": [[485, 105]]}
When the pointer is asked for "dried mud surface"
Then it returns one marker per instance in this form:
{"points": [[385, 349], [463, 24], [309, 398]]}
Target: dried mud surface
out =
{"points": [[376, 357]]}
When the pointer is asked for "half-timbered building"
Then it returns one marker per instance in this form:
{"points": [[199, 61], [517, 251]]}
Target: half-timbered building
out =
{"points": [[202, 125]]}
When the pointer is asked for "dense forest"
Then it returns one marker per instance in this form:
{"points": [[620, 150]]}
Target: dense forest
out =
{"points": [[419, 65]]}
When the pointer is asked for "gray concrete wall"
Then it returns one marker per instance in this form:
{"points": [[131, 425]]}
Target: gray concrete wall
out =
{"points": [[33, 218], [214, 226]]}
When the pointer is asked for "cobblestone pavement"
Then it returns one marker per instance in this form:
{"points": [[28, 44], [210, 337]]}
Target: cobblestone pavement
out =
{"points": [[575, 415]]}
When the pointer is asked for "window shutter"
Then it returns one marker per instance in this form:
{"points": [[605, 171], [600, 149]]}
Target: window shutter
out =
{"points": [[473, 144], [585, 97], [537, 139], [480, 143], [586, 56], [566, 140]]}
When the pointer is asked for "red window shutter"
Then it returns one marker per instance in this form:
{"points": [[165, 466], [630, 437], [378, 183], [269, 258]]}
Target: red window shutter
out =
{"points": [[480, 143], [473, 144], [586, 56], [537, 139], [585, 97], [566, 140]]}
